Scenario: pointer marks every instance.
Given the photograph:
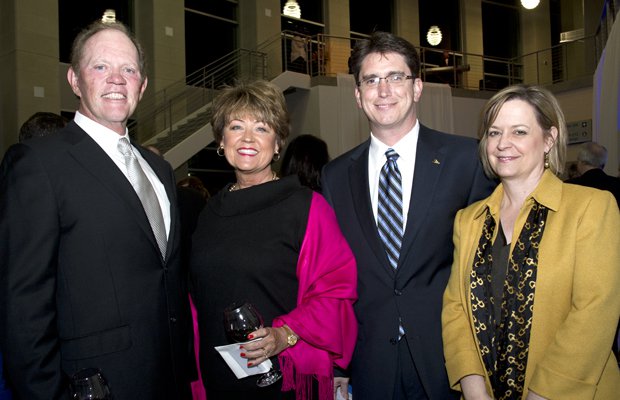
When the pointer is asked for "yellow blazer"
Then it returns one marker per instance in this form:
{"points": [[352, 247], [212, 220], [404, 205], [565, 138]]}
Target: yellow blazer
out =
{"points": [[577, 298]]}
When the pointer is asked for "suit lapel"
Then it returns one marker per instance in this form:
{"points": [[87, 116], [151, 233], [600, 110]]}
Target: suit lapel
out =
{"points": [[93, 159], [358, 176], [428, 165]]}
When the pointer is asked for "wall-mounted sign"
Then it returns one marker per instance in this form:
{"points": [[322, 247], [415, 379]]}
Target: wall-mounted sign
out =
{"points": [[579, 131]]}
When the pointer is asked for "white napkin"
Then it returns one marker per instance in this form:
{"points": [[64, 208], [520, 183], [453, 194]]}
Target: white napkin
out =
{"points": [[239, 365]]}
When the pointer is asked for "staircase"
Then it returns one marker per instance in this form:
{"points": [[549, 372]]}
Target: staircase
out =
{"points": [[171, 118]]}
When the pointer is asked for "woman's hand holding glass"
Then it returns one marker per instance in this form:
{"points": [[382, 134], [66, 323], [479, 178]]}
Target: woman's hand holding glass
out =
{"points": [[273, 342]]}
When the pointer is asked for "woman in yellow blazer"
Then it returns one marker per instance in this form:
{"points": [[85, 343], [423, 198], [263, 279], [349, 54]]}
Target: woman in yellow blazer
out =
{"points": [[532, 303]]}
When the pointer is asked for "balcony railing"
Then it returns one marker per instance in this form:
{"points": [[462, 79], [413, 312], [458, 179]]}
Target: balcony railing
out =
{"points": [[326, 55], [177, 111]]}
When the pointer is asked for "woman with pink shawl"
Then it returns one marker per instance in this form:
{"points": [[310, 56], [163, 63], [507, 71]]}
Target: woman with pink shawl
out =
{"points": [[276, 244]]}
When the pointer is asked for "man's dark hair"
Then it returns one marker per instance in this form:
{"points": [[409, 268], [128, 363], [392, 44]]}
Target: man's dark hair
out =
{"points": [[382, 43], [41, 124]]}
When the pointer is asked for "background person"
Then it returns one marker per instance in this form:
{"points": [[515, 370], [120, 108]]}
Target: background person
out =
{"points": [[591, 161], [305, 156], [85, 281], [440, 174], [41, 124], [532, 304], [276, 244]]}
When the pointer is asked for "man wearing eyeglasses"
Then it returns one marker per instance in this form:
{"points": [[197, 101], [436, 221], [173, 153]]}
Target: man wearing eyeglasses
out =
{"points": [[395, 197]]}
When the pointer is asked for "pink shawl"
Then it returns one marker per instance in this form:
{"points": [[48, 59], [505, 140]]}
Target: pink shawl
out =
{"points": [[324, 318]]}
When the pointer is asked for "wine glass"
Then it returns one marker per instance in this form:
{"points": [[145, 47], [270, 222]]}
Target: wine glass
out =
{"points": [[89, 384], [239, 320]]}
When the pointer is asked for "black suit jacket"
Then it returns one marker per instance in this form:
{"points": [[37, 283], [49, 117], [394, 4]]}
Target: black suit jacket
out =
{"points": [[448, 176], [83, 283], [597, 178]]}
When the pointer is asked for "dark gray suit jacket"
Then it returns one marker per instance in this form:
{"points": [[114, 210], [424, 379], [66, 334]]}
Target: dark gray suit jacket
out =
{"points": [[448, 177], [82, 280]]}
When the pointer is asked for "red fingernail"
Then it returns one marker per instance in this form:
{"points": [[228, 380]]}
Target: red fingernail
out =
{"points": [[250, 364], [240, 347], [242, 354], [250, 336]]}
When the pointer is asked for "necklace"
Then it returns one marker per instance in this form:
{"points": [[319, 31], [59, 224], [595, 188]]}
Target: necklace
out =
{"points": [[235, 186]]}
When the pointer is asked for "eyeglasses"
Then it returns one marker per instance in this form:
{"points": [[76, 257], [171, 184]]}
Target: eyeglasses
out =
{"points": [[391, 79]]}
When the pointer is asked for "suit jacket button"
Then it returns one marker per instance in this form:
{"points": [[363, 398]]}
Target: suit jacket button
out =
{"points": [[173, 319], [394, 341], [398, 292]]}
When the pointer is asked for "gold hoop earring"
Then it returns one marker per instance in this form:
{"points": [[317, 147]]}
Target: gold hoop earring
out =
{"points": [[546, 160], [276, 156], [220, 151]]}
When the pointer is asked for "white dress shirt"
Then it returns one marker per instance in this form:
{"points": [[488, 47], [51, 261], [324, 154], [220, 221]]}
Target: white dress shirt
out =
{"points": [[107, 139], [406, 149]]}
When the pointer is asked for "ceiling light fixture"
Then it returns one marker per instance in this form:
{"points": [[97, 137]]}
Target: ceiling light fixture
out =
{"points": [[433, 36], [109, 16], [292, 9], [530, 4]]}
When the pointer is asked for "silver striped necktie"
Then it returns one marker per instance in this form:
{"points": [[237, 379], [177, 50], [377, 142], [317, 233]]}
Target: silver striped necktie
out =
{"points": [[146, 193]]}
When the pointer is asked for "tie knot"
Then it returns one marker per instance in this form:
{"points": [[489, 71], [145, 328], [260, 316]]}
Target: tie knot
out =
{"points": [[124, 147], [391, 155]]}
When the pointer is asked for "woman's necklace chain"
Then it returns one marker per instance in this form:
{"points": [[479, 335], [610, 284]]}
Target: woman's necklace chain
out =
{"points": [[235, 186]]}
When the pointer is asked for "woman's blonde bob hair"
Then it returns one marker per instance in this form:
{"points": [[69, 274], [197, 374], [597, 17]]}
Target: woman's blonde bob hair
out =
{"points": [[259, 99], [548, 114]]}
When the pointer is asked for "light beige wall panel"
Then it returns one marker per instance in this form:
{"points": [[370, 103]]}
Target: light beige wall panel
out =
{"points": [[29, 58], [536, 36], [471, 27], [406, 20]]}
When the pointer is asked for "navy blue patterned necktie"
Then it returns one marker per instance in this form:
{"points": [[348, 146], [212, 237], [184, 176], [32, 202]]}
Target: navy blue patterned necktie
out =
{"points": [[390, 208]]}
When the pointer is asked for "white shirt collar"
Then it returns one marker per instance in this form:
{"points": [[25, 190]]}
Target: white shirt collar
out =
{"points": [[405, 147]]}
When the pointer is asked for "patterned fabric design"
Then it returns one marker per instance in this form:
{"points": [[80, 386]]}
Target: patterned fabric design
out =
{"points": [[504, 341]]}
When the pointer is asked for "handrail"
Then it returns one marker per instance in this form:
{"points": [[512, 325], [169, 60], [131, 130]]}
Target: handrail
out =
{"points": [[158, 114]]}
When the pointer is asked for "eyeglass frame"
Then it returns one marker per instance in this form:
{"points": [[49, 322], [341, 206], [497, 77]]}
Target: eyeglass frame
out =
{"points": [[362, 83]]}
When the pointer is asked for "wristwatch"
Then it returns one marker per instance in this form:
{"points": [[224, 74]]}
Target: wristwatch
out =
{"points": [[291, 338]]}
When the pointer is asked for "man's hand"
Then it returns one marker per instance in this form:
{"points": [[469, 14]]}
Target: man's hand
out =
{"points": [[342, 384]]}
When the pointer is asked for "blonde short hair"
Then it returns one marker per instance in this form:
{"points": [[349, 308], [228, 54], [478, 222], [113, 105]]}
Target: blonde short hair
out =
{"points": [[548, 114]]}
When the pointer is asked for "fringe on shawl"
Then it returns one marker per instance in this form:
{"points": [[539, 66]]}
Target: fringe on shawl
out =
{"points": [[304, 384]]}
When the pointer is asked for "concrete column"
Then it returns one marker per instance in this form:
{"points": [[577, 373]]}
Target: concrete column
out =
{"points": [[159, 25], [29, 66], [536, 36], [471, 29], [259, 28], [406, 20], [337, 30]]}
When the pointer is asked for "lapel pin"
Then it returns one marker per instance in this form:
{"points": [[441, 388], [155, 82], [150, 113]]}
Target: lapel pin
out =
{"points": [[436, 161]]}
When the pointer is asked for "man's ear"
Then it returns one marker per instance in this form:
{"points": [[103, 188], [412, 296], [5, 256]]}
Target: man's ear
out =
{"points": [[73, 79], [357, 97], [143, 86]]}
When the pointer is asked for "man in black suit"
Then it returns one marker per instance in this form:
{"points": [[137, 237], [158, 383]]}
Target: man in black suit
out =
{"points": [[399, 348], [590, 163], [88, 280]]}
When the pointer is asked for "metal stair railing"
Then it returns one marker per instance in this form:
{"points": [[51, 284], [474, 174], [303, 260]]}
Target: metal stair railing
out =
{"points": [[170, 115]]}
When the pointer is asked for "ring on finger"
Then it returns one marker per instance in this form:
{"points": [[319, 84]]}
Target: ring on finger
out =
{"points": [[265, 353]]}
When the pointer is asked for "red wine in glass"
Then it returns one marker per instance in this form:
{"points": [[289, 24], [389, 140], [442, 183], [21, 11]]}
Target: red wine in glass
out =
{"points": [[240, 319]]}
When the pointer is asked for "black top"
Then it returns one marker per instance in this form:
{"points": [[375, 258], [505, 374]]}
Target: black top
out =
{"points": [[245, 247], [500, 253]]}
